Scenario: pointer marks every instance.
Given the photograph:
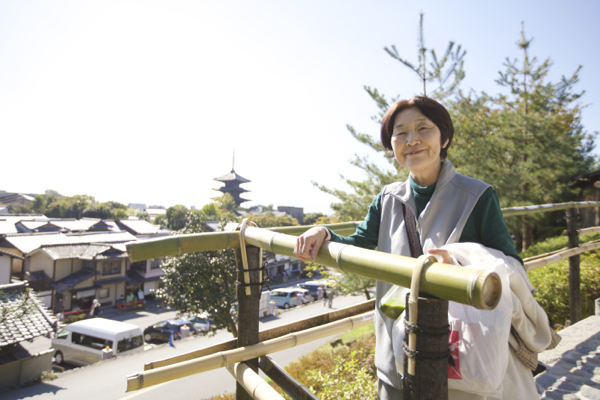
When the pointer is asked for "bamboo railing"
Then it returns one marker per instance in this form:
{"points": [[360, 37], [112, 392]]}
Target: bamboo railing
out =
{"points": [[477, 288], [526, 210], [222, 359]]}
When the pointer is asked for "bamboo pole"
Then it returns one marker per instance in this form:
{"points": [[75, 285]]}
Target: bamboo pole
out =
{"points": [[588, 231], [177, 245], [480, 289], [153, 377], [303, 324], [284, 380], [549, 258], [252, 383], [526, 210]]}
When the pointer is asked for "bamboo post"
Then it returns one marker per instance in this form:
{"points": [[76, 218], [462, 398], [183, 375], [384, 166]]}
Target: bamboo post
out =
{"points": [[430, 377], [248, 294], [251, 382], [284, 380], [574, 273]]}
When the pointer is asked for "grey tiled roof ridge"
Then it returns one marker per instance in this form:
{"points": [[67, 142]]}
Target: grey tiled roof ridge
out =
{"points": [[2, 252], [31, 234]]}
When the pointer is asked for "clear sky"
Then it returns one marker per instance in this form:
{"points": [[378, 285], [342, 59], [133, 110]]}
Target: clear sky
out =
{"points": [[145, 101]]}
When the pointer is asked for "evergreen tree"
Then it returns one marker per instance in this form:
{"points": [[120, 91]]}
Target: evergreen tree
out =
{"points": [[528, 143], [448, 73], [201, 282]]}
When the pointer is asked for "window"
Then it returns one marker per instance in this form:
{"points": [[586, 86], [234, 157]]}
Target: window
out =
{"points": [[103, 293], [129, 344], [111, 267], [155, 263], [62, 334], [88, 264], [91, 341]]}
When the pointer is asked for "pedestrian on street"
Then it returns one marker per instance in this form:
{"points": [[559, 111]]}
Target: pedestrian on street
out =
{"points": [[330, 298], [95, 310], [324, 297]]}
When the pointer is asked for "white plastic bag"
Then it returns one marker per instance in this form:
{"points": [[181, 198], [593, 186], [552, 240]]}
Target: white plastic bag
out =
{"points": [[478, 341]]}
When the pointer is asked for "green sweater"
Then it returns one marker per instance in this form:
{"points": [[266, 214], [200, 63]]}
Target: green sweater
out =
{"points": [[485, 224]]}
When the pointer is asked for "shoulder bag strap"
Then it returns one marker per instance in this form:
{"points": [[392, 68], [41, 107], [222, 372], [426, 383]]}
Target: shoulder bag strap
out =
{"points": [[414, 241]]}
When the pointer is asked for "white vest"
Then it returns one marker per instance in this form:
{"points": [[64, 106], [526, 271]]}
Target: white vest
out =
{"points": [[441, 222]]}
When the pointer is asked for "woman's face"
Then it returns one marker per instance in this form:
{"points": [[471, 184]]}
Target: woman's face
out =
{"points": [[416, 145]]}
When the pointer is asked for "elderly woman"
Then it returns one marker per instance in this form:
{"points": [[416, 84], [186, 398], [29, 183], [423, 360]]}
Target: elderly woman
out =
{"points": [[448, 208]]}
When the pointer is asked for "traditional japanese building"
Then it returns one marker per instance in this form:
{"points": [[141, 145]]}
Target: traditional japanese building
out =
{"points": [[232, 183]]}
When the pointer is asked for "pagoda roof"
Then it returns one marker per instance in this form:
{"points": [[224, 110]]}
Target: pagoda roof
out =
{"points": [[232, 177]]}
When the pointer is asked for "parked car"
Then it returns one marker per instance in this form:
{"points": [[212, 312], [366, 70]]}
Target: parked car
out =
{"points": [[201, 323], [82, 342], [286, 298], [312, 286], [162, 331]]}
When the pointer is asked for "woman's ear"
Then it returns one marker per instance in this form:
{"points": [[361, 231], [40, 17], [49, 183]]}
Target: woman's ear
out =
{"points": [[445, 144]]}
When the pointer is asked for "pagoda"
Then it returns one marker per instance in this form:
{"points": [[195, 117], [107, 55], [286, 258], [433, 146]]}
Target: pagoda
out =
{"points": [[232, 183]]}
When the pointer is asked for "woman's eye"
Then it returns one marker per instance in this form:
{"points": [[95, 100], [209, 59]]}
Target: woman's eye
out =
{"points": [[399, 133]]}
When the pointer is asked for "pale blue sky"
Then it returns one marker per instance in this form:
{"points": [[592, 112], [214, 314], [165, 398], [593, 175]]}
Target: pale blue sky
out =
{"points": [[145, 101]]}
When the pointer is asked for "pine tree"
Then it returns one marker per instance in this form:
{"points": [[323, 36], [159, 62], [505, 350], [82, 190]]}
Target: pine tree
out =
{"points": [[528, 143], [447, 72]]}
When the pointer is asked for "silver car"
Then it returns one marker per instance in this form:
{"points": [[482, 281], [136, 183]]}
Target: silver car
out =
{"points": [[286, 298]]}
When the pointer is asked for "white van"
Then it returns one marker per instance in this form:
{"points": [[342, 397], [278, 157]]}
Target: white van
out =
{"points": [[82, 342]]}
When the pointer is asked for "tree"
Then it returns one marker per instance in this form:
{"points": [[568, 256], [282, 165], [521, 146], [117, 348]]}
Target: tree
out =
{"points": [[69, 207], [311, 218], [202, 282], [225, 202], [529, 143], [448, 72], [143, 215], [270, 220], [437, 72], [176, 217]]}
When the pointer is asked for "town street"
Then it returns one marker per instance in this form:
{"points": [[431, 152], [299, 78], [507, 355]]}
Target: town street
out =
{"points": [[107, 380]]}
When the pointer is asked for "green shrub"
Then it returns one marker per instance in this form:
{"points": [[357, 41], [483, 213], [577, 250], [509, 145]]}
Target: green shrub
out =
{"points": [[554, 243], [344, 372], [350, 379], [552, 285], [74, 318]]}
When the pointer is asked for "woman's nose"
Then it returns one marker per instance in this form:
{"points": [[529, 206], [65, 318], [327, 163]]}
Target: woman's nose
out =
{"points": [[412, 138]]}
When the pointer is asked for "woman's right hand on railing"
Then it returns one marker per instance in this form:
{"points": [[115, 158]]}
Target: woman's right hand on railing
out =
{"points": [[309, 243]]}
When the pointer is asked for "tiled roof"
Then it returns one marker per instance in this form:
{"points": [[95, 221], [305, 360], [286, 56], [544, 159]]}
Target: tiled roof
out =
{"points": [[139, 227], [37, 274], [73, 279], [19, 326], [102, 237], [134, 278], [6, 253], [27, 242], [66, 251], [232, 177], [92, 250], [85, 251], [108, 281], [34, 224]]}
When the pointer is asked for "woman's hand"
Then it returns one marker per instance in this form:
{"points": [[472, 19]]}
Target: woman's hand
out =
{"points": [[309, 243], [447, 257]]}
